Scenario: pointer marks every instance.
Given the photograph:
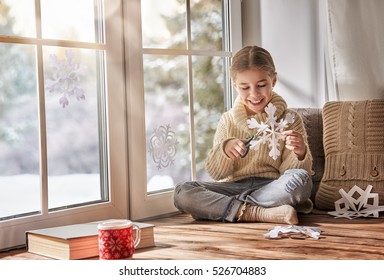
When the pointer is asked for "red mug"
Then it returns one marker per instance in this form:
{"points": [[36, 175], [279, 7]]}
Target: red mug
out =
{"points": [[116, 239]]}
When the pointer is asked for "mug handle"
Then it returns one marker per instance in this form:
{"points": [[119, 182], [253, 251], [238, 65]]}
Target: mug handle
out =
{"points": [[138, 235]]}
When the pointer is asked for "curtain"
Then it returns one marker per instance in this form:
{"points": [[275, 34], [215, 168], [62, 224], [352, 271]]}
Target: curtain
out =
{"points": [[355, 49]]}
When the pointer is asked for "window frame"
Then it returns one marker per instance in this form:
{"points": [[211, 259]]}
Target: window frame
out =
{"points": [[142, 204], [13, 230]]}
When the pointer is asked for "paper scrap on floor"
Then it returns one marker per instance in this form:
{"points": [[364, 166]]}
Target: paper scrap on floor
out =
{"points": [[300, 232]]}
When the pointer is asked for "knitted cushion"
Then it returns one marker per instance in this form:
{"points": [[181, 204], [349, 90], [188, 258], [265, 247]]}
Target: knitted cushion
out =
{"points": [[354, 149], [313, 123]]}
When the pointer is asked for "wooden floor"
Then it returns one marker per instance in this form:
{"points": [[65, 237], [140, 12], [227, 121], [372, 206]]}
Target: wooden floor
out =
{"points": [[181, 237]]}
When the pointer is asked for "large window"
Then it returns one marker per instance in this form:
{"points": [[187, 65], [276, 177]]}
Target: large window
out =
{"points": [[54, 120], [53, 114], [106, 105]]}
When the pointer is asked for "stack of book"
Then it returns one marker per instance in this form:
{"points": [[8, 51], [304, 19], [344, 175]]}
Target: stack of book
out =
{"points": [[79, 241]]}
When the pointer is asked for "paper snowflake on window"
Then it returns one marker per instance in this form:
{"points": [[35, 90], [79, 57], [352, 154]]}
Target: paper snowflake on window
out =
{"points": [[271, 131], [65, 79], [357, 203], [163, 146]]}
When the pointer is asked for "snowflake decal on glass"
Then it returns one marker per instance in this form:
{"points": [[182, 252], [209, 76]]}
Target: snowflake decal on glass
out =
{"points": [[357, 203], [65, 78], [271, 131], [163, 146]]}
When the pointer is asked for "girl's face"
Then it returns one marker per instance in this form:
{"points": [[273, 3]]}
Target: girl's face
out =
{"points": [[255, 89]]}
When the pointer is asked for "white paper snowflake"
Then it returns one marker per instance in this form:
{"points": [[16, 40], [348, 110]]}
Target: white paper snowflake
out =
{"points": [[66, 77], [357, 203], [271, 130], [163, 146]]}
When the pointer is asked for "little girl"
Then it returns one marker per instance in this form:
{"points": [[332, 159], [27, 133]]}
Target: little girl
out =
{"points": [[270, 183]]}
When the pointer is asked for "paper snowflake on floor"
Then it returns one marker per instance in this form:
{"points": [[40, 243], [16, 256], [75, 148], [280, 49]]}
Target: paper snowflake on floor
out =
{"points": [[357, 203], [271, 131]]}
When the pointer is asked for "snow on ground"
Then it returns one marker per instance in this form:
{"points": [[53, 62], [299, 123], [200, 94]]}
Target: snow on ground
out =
{"points": [[21, 194]]}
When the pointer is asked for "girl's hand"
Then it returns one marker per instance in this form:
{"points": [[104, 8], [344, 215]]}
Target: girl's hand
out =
{"points": [[294, 141], [234, 148]]}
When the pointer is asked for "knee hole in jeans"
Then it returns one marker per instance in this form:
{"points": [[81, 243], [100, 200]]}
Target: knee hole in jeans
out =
{"points": [[299, 179]]}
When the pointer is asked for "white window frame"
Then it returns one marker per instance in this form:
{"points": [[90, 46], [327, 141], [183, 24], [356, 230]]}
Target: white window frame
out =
{"points": [[12, 232], [142, 204]]}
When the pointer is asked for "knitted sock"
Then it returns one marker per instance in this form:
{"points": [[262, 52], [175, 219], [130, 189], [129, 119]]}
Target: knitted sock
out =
{"points": [[281, 214]]}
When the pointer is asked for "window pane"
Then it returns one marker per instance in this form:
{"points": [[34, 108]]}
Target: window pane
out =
{"points": [[206, 25], [167, 121], [164, 24], [17, 18], [69, 20], [73, 88], [208, 92], [19, 132]]}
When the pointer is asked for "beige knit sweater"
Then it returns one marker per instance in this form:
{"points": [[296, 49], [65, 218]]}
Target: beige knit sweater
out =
{"points": [[233, 124]]}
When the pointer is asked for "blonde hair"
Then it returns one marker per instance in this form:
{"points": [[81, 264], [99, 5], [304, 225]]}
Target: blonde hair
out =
{"points": [[252, 57]]}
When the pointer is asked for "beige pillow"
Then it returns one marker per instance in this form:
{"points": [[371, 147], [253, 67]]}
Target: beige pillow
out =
{"points": [[354, 149]]}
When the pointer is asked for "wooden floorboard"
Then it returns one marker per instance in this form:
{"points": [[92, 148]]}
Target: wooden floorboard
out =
{"points": [[180, 237]]}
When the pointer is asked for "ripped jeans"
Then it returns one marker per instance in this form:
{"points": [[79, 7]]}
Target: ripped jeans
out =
{"points": [[220, 201]]}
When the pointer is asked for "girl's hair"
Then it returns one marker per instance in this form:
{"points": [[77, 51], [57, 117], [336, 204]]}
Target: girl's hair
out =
{"points": [[252, 57]]}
